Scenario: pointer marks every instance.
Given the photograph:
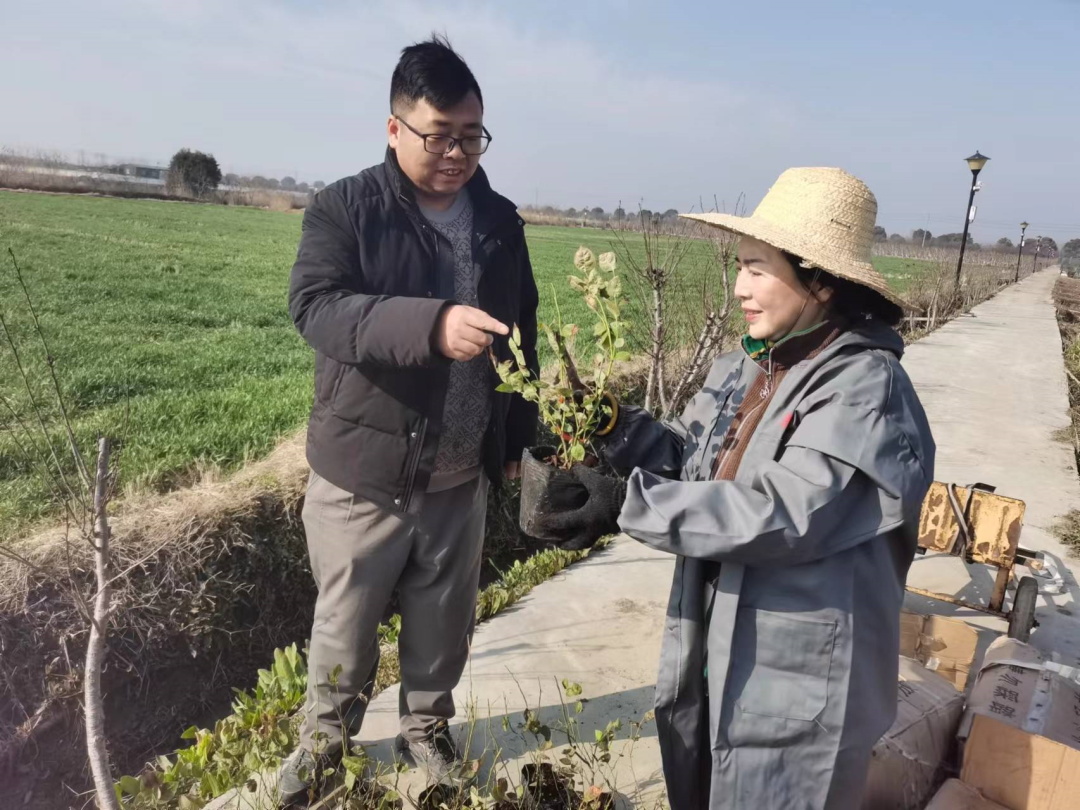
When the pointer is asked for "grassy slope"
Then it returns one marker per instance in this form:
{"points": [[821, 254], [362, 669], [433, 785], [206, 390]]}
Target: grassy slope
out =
{"points": [[169, 325]]}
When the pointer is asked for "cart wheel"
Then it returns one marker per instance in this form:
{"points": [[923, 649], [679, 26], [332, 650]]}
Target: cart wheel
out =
{"points": [[1022, 617]]}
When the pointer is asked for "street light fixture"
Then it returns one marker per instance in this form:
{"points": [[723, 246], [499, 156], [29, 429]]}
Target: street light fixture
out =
{"points": [[975, 163], [1020, 250]]}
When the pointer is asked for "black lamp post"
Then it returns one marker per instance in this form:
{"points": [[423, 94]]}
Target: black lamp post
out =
{"points": [[1035, 260], [1020, 250], [975, 163]]}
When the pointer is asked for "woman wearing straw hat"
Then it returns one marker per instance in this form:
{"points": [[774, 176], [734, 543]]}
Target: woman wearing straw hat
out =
{"points": [[789, 490]]}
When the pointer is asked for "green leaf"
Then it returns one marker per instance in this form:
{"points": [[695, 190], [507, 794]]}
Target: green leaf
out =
{"points": [[191, 732], [354, 765], [577, 452], [130, 785], [505, 388], [572, 689], [584, 259], [515, 335], [622, 357], [164, 763]]}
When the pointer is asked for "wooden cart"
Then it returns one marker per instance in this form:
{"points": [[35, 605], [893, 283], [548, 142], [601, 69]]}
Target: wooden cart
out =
{"points": [[983, 528]]}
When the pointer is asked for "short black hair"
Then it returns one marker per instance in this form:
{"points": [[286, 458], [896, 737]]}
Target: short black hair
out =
{"points": [[432, 71], [849, 300]]}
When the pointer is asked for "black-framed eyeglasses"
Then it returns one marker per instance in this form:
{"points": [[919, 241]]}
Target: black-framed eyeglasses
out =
{"points": [[438, 144]]}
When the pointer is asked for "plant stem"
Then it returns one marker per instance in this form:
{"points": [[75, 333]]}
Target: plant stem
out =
{"points": [[95, 650]]}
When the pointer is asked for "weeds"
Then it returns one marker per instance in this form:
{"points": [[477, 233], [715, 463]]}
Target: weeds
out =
{"points": [[1067, 530], [264, 727]]}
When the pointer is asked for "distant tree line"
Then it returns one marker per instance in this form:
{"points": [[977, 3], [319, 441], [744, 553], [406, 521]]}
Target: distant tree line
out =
{"points": [[597, 214], [924, 238], [272, 183], [198, 173]]}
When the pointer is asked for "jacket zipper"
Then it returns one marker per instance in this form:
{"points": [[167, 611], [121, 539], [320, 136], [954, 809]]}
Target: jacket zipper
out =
{"points": [[414, 465], [483, 240], [725, 452], [418, 222]]}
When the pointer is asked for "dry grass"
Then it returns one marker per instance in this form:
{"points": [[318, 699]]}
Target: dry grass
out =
{"points": [[936, 296], [25, 179], [1067, 299], [269, 200], [211, 578], [1067, 530]]}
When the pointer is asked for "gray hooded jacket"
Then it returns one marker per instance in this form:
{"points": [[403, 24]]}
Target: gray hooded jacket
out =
{"points": [[813, 538]]}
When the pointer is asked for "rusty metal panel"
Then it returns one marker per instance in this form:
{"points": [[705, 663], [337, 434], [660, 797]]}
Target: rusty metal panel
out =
{"points": [[994, 520]]}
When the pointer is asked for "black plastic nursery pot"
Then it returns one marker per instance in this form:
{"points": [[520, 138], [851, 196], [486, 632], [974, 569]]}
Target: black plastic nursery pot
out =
{"points": [[547, 788], [546, 489]]}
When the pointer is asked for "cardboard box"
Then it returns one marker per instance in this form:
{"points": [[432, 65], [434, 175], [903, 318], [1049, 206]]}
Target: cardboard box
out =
{"points": [[944, 646], [906, 764], [1018, 770], [956, 795], [1018, 687]]}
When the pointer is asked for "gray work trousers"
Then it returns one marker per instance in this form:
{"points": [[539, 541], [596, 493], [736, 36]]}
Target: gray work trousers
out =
{"points": [[359, 554]]}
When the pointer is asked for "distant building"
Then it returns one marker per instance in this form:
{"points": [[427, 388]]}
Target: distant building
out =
{"points": [[145, 172]]}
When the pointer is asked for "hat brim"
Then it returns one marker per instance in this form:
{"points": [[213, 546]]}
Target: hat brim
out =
{"points": [[814, 254]]}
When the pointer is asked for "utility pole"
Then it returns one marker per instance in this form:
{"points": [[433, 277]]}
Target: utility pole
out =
{"points": [[1035, 259]]}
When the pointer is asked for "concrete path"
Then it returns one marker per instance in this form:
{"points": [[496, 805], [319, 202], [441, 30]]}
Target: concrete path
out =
{"points": [[598, 625], [993, 385]]}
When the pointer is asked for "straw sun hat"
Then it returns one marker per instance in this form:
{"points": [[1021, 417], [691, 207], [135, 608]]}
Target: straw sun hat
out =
{"points": [[824, 216]]}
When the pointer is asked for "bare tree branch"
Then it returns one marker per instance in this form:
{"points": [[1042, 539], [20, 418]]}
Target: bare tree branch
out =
{"points": [[95, 649], [37, 411], [50, 361]]}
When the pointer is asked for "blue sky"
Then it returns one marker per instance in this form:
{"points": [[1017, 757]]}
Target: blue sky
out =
{"points": [[590, 102]]}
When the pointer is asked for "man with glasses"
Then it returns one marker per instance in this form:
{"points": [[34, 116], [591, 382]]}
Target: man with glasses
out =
{"points": [[408, 279]]}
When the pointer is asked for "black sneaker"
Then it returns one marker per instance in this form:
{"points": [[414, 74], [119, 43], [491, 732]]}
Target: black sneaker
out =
{"points": [[300, 779], [437, 754]]}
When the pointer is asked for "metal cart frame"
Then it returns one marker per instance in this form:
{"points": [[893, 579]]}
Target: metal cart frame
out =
{"points": [[983, 528]]}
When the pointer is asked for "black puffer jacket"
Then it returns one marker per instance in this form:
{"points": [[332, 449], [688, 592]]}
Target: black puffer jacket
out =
{"points": [[363, 294]]}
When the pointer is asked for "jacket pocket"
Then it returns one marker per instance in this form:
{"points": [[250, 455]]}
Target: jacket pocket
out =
{"points": [[781, 665]]}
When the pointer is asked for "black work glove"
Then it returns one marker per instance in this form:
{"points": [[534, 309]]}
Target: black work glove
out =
{"points": [[580, 528]]}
